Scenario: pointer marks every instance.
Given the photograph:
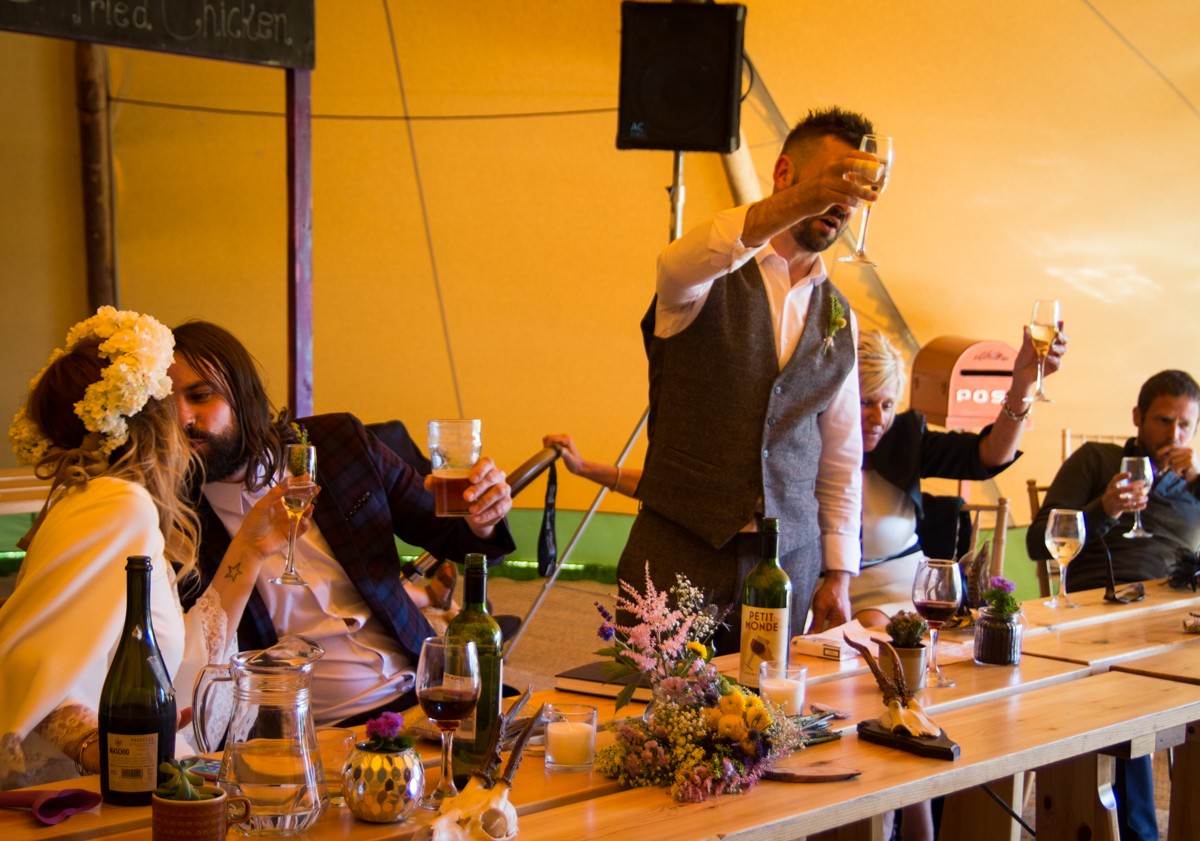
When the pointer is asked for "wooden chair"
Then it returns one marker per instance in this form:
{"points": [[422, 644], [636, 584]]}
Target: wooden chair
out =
{"points": [[999, 538], [1073, 441], [1048, 571]]}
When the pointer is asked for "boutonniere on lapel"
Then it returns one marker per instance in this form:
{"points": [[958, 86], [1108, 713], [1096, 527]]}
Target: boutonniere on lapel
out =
{"points": [[837, 320]]}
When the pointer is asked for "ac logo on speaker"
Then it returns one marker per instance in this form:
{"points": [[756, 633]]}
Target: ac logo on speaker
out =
{"points": [[637, 129]]}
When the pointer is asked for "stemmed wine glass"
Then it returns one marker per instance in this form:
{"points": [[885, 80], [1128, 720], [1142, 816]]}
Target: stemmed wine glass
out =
{"points": [[1140, 470], [937, 592], [1043, 327], [880, 147], [1065, 533], [299, 465], [447, 689]]}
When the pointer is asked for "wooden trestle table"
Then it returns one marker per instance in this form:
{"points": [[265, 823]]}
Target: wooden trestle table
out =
{"points": [[1053, 713]]}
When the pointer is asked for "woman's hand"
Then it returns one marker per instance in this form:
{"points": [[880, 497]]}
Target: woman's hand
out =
{"points": [[265, 529], [1026, 365], [571, 457]]}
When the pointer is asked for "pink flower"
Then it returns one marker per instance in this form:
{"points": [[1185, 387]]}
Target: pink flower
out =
{"points": [[387, 726], [1002, 584]]}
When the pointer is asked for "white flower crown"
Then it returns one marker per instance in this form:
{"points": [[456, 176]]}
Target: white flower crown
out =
{"points": [[139, 349]]}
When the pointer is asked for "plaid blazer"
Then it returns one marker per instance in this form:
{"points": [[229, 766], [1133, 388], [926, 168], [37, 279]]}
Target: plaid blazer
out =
{"points": [[368, 494]]}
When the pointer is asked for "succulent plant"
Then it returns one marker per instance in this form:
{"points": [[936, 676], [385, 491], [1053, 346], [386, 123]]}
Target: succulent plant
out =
{"points": [[906, 629], [183, 783]]}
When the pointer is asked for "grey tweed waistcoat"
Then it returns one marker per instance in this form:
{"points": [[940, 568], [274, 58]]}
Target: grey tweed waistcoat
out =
{"points": [[727, 427]]}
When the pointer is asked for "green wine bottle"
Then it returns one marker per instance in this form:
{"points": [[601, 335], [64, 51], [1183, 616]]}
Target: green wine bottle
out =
{"points": [[766, 608], [137, 703], [473, 622]]}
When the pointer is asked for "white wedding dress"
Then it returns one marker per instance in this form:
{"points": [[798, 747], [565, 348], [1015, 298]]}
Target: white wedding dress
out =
{"points": [[60, 628]]}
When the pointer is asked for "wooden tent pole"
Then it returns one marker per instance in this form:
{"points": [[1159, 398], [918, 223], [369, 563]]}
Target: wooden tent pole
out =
{"points": [[300, 301], [91, 103]]}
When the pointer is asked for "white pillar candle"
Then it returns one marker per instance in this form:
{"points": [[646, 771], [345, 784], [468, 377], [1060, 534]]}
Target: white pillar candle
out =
{"points": [[785, 692], [570, 743]]}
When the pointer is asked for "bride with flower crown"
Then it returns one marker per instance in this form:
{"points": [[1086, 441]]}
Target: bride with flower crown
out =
{"points": [[99, 424]]}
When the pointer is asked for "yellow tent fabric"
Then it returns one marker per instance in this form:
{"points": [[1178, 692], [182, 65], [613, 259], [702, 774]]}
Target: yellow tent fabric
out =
{"points": [[1043, 150]]}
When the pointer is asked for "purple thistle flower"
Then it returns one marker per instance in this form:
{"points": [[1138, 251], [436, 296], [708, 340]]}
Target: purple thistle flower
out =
{"points": [[606, 631], [608, 617], [1002, 584]]}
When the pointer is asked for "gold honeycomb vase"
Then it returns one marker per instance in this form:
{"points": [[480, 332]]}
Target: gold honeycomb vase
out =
{"points": [[382, 787]]}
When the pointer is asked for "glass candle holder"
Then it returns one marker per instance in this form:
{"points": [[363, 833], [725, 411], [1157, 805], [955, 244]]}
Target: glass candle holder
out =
{"points": [[570, 737], [783, 684]]}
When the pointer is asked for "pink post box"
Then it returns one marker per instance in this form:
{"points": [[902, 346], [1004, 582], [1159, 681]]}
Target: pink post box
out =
{"points": [[959, 383]]}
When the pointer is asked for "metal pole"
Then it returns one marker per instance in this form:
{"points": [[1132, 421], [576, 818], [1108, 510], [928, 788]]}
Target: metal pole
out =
{"points": [[678, 196], [512, 644]]}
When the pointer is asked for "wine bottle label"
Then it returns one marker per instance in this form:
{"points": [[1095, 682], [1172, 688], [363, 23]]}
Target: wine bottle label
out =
{"points": [[133, 762], [466, 730], [764, 638]]}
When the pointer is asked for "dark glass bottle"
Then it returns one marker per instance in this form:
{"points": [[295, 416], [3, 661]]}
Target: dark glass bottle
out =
{"points": [[137, 703], [474, 622], [766, 608]]}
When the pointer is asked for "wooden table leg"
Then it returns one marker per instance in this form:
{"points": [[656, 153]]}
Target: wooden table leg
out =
{"points": [[972, 815], [1185, 782], [1075, 799], [869, 830]]}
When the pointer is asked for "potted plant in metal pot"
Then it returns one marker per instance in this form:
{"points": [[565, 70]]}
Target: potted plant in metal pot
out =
{"points": [[906, 629], [999, 626], [383, 778]]}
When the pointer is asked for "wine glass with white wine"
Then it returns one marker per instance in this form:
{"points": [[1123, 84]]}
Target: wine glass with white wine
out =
{"points": [[300, 466], [1043, 327], [1140, 470], [1065, 533], [880, 147]]}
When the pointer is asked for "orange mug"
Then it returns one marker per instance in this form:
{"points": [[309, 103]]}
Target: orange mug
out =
{"points": [[195, 820]]}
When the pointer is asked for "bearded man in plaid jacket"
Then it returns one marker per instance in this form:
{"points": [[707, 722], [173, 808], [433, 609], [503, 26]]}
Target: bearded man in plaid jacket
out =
{"points": [[355, 606]]}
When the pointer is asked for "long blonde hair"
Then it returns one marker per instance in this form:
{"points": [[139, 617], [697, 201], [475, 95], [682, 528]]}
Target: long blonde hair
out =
{"points": [[157, 455], [880, 364]]}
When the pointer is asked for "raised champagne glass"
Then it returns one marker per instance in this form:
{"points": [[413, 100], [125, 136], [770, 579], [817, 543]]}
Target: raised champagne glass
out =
{"points": [[1065, 533], [880, 147], [1043, 327], [1140, 470], [448, 690], [300, 467], [937, 592]]}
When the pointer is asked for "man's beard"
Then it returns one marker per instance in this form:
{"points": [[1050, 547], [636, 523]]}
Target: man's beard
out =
{"points": [[222, 455], [812, 237]]}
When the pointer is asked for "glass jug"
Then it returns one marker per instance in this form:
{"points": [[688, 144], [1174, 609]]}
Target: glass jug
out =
{"points": [[271, 754]]}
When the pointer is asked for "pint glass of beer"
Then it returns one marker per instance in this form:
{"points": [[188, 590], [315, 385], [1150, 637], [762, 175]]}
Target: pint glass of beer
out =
{"points": [[454, 447]]}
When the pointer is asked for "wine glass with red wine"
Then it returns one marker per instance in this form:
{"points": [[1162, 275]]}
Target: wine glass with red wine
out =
{"points": [[448, 689], [937, 592]]}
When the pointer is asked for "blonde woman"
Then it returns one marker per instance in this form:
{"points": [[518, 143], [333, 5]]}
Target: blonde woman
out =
{"points": [[97, 422], [899, 450]]}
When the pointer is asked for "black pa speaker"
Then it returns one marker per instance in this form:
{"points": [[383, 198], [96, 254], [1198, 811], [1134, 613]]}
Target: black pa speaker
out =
{"points": [[681, 76]]}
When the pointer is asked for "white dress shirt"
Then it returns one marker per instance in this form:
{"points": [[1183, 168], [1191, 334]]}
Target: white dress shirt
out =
{"points": [[687, 270], [363, 666]]}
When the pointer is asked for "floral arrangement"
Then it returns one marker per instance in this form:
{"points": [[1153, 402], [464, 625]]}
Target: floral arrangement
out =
{"points": [[383, 734], [139, 349], [708, 735], [1000, 597]]}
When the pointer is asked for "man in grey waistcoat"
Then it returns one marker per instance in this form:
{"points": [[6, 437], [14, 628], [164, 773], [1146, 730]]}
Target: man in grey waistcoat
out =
{"points": [[754, 405]]}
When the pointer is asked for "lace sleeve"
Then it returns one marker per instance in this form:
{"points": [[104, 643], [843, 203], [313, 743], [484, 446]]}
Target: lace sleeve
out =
{"points": [[41, 757], [213, 623]]}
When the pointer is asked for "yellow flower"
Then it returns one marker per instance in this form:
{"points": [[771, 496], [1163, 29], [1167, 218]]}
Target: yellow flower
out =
{"points": [[711, 716], [840, 323], [731, 727], [733, 703], [700, 650], [758, 718], [752, 702]]}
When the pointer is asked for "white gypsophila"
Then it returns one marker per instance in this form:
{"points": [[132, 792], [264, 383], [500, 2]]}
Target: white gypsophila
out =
{"points": [[139, 349]]}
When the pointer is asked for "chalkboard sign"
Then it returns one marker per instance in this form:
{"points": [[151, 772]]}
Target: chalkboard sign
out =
{"points": [[279, 33]]}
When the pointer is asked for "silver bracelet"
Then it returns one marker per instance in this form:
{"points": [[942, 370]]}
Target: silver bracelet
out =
{"points": [[617, 483], [1011, 415]]}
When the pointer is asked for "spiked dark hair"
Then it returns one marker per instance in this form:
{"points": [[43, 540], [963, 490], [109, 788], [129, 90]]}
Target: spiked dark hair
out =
{"points": [[847, 125]]}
